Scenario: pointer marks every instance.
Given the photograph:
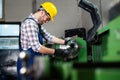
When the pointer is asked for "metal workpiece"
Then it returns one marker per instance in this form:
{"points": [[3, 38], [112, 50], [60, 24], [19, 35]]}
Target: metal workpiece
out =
{"points": [[72, 47]]}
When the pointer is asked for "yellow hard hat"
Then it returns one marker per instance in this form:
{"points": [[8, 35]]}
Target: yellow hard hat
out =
{"points": [[50, 8]]}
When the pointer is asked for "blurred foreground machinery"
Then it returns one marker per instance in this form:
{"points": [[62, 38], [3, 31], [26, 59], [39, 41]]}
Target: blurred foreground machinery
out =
{"points": [[8, 64], [93, 56]]}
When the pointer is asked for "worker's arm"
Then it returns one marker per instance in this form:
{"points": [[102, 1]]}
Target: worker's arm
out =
{"points": [[61, 41], [50, 37], [58, 40], [45, 50], [56, 52]]}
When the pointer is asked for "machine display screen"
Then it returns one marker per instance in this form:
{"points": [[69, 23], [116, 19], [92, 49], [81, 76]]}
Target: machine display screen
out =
{"points": [[9, 30], [9, 43], [9, 35], [1, 9]]}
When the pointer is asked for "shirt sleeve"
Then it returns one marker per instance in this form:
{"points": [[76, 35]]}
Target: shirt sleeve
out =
{"points": [[47, 35]]}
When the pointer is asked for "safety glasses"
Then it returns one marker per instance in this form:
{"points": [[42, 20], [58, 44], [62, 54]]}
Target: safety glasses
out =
{"points": [[48, 16]]}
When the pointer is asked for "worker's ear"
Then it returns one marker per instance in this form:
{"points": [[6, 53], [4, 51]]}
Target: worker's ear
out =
{"points": [[42, 12]]}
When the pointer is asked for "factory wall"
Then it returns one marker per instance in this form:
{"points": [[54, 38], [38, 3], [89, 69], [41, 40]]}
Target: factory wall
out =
{"points": [[17, 10], [68, 17]]}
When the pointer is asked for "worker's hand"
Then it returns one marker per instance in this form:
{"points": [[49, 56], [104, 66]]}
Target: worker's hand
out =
{"points": [[61, 52], [58, 52], [67, 41]]}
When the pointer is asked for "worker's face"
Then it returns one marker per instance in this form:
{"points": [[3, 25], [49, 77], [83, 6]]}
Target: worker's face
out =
{"points": [[44, 18]]}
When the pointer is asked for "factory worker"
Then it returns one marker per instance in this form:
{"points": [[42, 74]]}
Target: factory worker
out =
{"points": [[32, 33]]}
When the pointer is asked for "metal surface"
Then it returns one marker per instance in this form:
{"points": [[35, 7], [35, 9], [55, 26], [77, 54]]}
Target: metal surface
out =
{"points": [[72, 48]]}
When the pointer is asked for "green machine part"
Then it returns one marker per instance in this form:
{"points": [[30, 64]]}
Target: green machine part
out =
{"points": [[108, 47], [107, 74], [113, 41], [82, 74], [95, 74], [82, 57], [64, 68], [67, 67]]}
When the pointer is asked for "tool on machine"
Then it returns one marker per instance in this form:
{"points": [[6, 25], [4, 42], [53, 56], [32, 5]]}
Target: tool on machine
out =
{"points": [[72, 48], [92, 9]]}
